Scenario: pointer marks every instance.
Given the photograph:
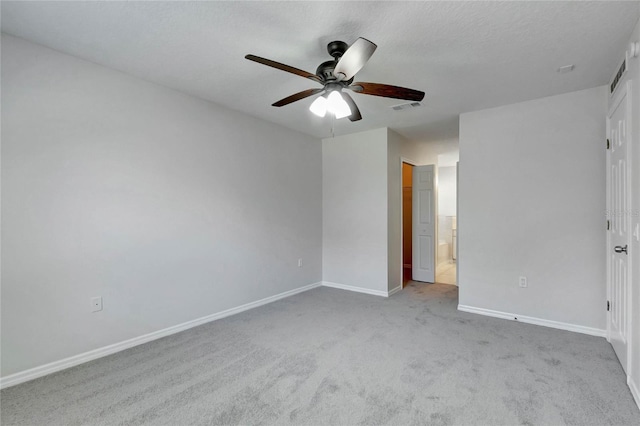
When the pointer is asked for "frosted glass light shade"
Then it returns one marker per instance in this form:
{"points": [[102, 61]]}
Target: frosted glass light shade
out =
{"points": [[337, 105], [334, 103], [319, 106]]}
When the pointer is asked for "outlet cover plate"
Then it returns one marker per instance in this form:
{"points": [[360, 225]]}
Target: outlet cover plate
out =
{"points": [[96, 304]]}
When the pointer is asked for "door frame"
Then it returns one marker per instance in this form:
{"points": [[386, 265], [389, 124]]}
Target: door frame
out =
{"points": [[623, 92], [457, 222], [414, 164]]}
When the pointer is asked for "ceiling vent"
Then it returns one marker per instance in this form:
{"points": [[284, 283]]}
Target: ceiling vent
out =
{"points": [[409, 105], [565, 69], [618, 76]]}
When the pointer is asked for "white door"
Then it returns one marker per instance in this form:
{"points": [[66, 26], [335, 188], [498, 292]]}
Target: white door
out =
{"points": [[424, 224], [618, 237]]}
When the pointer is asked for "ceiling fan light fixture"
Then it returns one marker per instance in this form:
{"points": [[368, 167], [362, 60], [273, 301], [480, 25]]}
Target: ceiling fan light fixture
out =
{"points": [[337, 105], [319, 106], [336, 75]]}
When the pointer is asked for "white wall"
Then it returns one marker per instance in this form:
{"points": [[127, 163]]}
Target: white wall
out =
{"points": [[170, 207], [354, 210], [447, 192], [532, 194]]}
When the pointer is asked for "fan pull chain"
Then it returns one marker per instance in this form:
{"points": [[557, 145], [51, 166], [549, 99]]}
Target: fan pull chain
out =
{"points": [[333, 122]]}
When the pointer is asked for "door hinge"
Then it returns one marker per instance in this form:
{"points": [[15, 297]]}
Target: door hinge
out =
{"points": [[608, 225], [608, 306], [608, 144]]}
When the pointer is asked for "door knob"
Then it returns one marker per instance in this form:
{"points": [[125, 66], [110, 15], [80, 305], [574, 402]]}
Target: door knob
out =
{"points": [[620, 249]]}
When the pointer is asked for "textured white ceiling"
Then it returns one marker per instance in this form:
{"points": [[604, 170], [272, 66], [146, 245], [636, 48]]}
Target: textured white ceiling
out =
{"points": [[464, 55]]}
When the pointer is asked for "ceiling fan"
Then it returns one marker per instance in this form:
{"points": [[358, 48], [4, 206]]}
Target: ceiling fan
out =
{"points": [[337, 75]]}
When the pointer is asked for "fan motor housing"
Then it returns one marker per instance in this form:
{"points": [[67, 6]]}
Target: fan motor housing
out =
{"points": [[325, 70], [337, 48]]}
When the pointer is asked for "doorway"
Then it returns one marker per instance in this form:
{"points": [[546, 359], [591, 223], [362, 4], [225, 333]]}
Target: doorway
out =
{"points": [[446, 265], [437, 250], [407, 218]]}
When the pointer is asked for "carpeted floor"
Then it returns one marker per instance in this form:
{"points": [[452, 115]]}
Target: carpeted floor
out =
{"points": [[329, 356]]}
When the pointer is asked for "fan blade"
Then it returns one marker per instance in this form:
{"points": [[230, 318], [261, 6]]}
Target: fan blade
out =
{"points": [[355, 112], [354, 59], [297, 97], [387, 91], [284, 67]]}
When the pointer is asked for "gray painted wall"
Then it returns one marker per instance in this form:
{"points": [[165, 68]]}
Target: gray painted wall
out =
{"points": [[169, 207], [354, 210], [394, 200], [531, 201]]}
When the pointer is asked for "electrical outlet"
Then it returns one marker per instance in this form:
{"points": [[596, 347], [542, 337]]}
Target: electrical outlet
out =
{"points": [[96, 304], [523, 282], [300, 263]]}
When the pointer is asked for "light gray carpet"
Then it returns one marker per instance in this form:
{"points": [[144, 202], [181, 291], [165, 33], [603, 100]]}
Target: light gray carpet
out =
{"points": [[329, 356]]}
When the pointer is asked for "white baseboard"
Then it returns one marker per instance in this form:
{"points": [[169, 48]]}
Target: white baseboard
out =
{"points": [[532, 320], [356, 289], [43, 370], [394, 290], [635, 390]]}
